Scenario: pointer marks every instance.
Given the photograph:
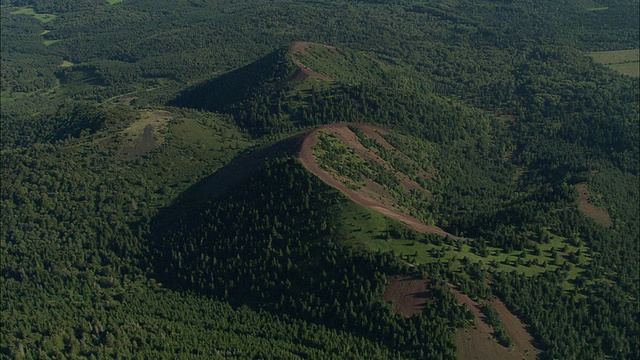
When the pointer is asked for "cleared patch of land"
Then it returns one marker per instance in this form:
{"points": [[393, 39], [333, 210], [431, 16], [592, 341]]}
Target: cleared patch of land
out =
{"points": [[477, 341], [383, 236], [600, 216], [45, 18], [143, 144], [158, 119], [630, 68], [517, 331], [407, 294], [626, 62], [145, 135]]}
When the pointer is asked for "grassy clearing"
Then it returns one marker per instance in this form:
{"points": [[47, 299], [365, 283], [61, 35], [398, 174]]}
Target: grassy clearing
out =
{"points": [[598, 8], [195, 145], [629, 69], [45, 18], [50, 42], [47, 42], [156, 118], [626, 62], [113, 2], [369, 230], [23, 11]]}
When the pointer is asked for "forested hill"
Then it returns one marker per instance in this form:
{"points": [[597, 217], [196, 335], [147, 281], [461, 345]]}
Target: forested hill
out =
{"points": [[261, 78], [270, 243], [152, 205]]}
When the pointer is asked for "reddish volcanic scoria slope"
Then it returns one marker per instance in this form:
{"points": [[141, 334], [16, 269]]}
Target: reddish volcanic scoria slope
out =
{"points": [[303, 72], [372, 196], [599, 215], [477, 341], [407, 295]]}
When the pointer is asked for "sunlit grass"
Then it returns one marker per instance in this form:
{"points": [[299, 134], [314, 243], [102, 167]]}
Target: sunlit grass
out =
{"points": [[626, 62], [45, 18], [367, 229]]}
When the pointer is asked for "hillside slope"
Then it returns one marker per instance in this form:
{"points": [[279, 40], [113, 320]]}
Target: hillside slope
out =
{"points": [[268, 243], [366, 191], [146, 210]]}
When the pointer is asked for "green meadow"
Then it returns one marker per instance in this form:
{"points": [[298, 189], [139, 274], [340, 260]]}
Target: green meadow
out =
{"points": [[367, 229], [626, 62], [45, 18]]}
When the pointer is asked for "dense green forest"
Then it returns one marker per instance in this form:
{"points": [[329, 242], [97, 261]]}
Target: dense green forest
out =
{"points": [[153, 206]]}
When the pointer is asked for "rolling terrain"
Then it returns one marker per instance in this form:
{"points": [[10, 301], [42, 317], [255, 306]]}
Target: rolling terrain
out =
{"points": [[318, 179], [408, 295]]}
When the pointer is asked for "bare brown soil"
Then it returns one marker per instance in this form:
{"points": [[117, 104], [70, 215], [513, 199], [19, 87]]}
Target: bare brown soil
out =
{"points": [[517, 331], [477, 341], [303, 72], [407, 294], [375, 200], [600, 216]]}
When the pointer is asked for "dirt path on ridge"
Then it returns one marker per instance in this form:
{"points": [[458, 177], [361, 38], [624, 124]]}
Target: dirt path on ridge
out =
{"points": [[304, 71], [310, 162]]}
